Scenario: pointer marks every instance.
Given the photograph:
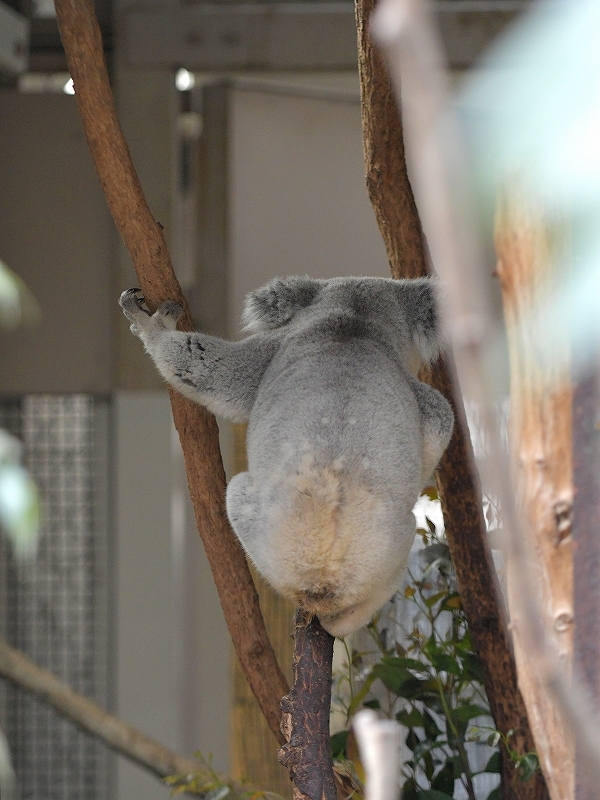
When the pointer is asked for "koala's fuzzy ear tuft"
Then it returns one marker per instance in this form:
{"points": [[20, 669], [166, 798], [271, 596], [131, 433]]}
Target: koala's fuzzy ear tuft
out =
{"points": [[274, 305], [419, 300]]}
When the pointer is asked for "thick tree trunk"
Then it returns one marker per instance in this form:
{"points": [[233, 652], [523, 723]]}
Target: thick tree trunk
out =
{"points": [[393, 202], [540, 428], [197, 428]]}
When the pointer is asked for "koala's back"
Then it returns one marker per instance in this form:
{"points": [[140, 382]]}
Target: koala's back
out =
{"points": [[334, 453]]}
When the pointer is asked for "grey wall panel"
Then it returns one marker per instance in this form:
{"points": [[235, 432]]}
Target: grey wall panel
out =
{"points": [[56, 233]]}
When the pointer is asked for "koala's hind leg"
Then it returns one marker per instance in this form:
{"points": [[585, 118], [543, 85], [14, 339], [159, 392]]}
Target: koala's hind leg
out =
{"points": [[437, 421], [243, 510]]}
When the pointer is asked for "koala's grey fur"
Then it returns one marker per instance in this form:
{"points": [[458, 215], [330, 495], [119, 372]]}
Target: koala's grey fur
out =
{"points": [[341, 437]]}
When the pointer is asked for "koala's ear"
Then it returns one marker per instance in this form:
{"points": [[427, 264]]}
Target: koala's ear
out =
{"points": [[418, 297], [275, 304]]}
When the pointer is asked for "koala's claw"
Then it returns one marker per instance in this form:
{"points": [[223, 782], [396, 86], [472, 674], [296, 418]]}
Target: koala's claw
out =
{"points": [[131, 298], [140, 302]]}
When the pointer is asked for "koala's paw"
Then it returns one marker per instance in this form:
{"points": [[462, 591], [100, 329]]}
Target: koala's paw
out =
{"points": [[142, 321]]}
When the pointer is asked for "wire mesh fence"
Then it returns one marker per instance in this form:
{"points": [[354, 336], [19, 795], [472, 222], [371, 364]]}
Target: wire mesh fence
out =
{"points": [[54, 606]]}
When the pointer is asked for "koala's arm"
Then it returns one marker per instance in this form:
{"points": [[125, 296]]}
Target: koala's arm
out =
{"points": [[220, 375]]}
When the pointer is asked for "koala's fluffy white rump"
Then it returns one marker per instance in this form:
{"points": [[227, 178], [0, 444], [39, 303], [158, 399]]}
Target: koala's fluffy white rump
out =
{"points": [[341, 437]]}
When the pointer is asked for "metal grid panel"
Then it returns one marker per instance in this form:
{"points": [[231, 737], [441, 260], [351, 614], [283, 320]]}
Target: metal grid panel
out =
{"points": [[54, 606]]}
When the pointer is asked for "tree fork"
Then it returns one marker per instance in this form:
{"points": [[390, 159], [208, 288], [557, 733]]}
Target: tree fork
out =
{"points": [[392, 198], [197, 429]]}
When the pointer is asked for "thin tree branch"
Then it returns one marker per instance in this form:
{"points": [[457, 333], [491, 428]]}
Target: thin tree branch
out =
{"points": [[305, 720], [123, 738], [197, 428], [395, 209]]}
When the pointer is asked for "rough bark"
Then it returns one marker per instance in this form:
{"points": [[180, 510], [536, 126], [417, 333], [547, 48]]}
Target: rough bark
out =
{"points": [[123, 738], [396, 213], [197, 428], [540, 432], [305, 713]]}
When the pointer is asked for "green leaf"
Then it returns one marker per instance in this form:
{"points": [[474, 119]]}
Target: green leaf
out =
{"points": [[472, 667], [417, 689], [528, 766], [432, 794], [391, 673], [374, 704], [445, 663], [412, 740], [409, 789], [453, 602], [361, 694], [410, 719], [495, 763], [339, 742], [432, 730], [428, 767], [412, 663], [434, 598], [468, 711], [494, 794], [493, 739], [457, 765], [444, 780]]}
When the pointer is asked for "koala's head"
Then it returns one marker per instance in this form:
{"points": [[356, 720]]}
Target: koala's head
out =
{"points": [[405, 308]]}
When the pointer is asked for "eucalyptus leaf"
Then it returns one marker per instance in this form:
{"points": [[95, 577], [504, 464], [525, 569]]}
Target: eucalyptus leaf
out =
{"points": [[528, 766], [339, 743], [469, 711], [432, 794], [495, 763], [410, 719], [409, 789], [444, 780]]}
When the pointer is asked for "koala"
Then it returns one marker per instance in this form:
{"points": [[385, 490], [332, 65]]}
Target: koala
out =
{"points": [[342, 436]]}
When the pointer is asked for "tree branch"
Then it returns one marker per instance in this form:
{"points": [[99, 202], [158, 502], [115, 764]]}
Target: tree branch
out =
{"points": [[197, 428], [123, 738], [395, 209], [305, 719]]}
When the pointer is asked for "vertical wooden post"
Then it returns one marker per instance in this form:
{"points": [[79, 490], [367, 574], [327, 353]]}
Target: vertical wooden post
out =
{"points": [[253, 746], [586, 546], [540, 432]]}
